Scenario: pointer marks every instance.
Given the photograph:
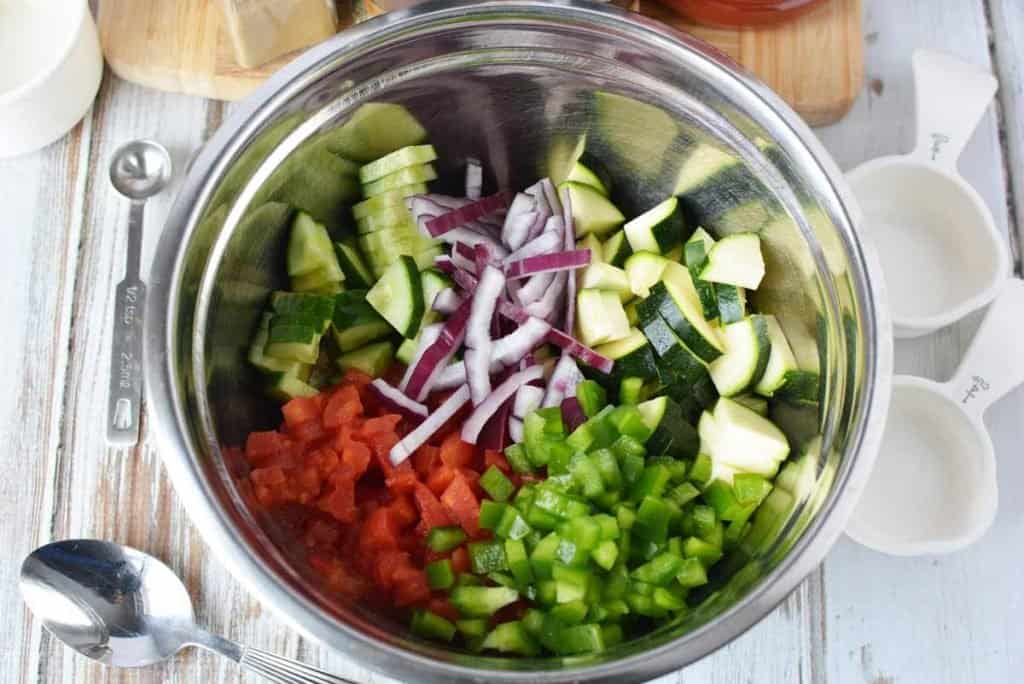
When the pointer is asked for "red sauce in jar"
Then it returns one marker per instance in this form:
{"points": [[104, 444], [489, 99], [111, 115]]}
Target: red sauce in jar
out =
{"points": [[741, 12]]}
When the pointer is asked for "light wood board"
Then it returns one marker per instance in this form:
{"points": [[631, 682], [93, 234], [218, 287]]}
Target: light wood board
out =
{"points": [[815, 62]]}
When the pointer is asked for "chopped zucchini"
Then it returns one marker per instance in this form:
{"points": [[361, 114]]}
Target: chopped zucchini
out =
{"points": [[680, 306], [309, 247], [373, 359], [579, 173], [592, 212], [356, 323], [601, 317], [617, 249], [657, 230], [780, 360], [398, 296], [735, 260], [357, 275], [747, 349], [644, 269], [602, 276], [384, 200]]}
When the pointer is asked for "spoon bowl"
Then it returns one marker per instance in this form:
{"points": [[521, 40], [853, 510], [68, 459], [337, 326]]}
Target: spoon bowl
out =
{"points": [[140, 169]]}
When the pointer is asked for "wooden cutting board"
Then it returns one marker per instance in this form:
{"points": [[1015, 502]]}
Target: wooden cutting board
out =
{"points": [[815, 62]]}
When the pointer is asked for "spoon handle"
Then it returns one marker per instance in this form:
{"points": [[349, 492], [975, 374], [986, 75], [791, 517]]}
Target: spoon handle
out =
{"points": [[125, 404], [284, 670]]}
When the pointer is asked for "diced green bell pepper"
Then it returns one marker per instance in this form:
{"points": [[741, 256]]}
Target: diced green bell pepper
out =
{"points": [[588, 478], [518, 561], [543, 557], [629, 422], [443, 539], [482, 601], [631, 390], [497, 486], [625, 516], [516, 456], [700, 473], [431, 626], [652, 518], [626, 445], [490, 513], [691, 573], [571, 640], [708, 554], [510, 637], [608, 524], [473, 627], [533, 622], [440, 574], [651, 483], [660, 570], [605, 554], [684, 493], [666, 599], [608, 467], [591, 397], [487, 556], [719, 494], [571, 612], [632, 466], [547, 592], [750, 488], [611, 634], [704, 519], [512, 524]]}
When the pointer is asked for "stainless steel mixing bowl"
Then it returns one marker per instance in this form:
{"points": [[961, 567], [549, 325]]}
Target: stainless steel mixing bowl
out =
{"points": [[516, 83]]}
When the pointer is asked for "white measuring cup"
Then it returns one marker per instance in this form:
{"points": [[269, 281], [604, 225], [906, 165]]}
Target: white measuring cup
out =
{"points": [[933, 489], [940, 251]]}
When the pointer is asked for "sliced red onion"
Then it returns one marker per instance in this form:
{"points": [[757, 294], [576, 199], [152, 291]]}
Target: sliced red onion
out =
{"points": [[528, 400], [509, 349], [574, 347], [517, 228], [566, 374], [436, 356], [534, 288], [485, 300], [482, 413], [556, 225], [463, 256], [547, 263], [395, 400], [474, 178], [572, 414], [465, 280], [445, 264], [483, 257], [521, 204], [439, 225], [495, 434], [446, 301], [428, 336], [542, 244], [551, 196], [515, 429], [478, 373], [548, 305], [433, 205], [513, 312], [473, 238], [433, 422], [570, 242]]}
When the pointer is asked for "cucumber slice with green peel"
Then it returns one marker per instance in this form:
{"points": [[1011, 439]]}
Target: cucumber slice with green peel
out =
{"points": [[579, 173], [398, 296], [633, 357], [405, 157], [357, 275], [735, 260], [758, 405], [617, 249], [644, 269], [593, 243], [602, 276], [658, 229], [747, 349], [695, 253], [800, 388], [285, 386], [433, 281], [355, 323], [673, 435], [731, 302], [388, 217], [313, 321], [309, 246], [407, 351], [780, 360], [384, 200], [592, 212], [326, 279], [386, 241], [374, 130], [425, 257], [258, 357], [373, 359], [681, 309], [409, 176], [319, 307], [738, 437], [293, 342], [601, 317]]}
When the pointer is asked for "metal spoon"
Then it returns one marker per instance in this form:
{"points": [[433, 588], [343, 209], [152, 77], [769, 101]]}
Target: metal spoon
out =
{"points": [[139, 170], [124, 608]]}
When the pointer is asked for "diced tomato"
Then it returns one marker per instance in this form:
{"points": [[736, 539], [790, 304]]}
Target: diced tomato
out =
{"points": [[496, 458], [340, 502], [403, 511], [356, 377], [460, 559], [307, 432], [379, 531], [356, 456], [432, 513], [260, 446], [324, 460], [462, 505], [320, 532], [443, 607], [402, 481], [455, 452], [301, 410], [380, 425], [343, 406], [425, 460], [440, 479], [389, 563], [336, 576], [410, 586]]}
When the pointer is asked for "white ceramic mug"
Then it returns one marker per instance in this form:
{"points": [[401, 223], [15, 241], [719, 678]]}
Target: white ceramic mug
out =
{"points": [[50, 71]]}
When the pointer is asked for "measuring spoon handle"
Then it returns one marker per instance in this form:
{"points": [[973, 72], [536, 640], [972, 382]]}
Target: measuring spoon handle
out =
{"points": [[993, 364], [125, 404], [951, 97]]}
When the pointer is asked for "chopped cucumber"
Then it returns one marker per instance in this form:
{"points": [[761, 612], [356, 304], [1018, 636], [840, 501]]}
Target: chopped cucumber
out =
{"points": [[399, 179], [398, 296], [601, 276], [582, 174], [673, 435], [425, 257], [617, 249], [433, 281], [592, 212], [601, 317], [388, 217], [357, 275], [644, 269], [658, 229], [258, 357], [327, 280], [731, 302], [680, 306], [780, 360], [318, 309], [685, 376], [593, 243], [702, 164], [374, 130], [800, 388], [391, 198], [695, 254], [356, 323], [747, 349], [292, 341], [735, 260], [758, 405], [288, 386], [633, 357], [373, 359], [740, 438], [407, 351], [396, 161], [309, 247]]}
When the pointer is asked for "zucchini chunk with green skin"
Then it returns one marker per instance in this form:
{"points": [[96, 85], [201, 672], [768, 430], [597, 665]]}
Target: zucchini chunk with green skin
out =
{"points": [[633, 357], [644, 269], [310, 248], [684, 375], [391, 198], [592, 212], [682, 311], [357, 275], [735, 260], [593, 243], [695, 253], [600, 276], [731, 303], [405, 157], [292, 341], [374, 359], [601, 317], [398, 296], [269, 364], [356, 323], [318, 309], [658, 229], [747, 350], [741, 439], [289, 385], [780, 360], [579, 173], [327, 280], [616, 249], [407, 176]]}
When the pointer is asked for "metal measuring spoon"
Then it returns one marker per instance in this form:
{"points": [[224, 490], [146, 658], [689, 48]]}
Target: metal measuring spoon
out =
{"points": [[124, 608], [138, 171]]}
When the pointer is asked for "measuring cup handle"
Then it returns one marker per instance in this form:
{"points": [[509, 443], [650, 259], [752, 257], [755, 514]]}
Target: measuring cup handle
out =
{"points": [[993, 364], [951, 97]]}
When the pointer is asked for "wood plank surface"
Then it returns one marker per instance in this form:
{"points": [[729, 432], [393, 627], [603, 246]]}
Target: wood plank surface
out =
{"points": [[862, 617]]}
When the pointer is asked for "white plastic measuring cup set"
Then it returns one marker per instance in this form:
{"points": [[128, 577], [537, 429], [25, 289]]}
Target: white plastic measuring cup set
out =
{"points": [[933, 489]]}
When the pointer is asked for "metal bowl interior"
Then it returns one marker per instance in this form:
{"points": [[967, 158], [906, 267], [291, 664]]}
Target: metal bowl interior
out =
{"points": [[517, 84]]}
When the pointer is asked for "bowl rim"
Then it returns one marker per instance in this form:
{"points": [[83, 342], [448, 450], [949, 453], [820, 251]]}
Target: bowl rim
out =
{"points": [[171, 423]]}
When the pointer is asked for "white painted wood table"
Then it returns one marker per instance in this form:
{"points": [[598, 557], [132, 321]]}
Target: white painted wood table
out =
{"points": [[861, 617]]}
